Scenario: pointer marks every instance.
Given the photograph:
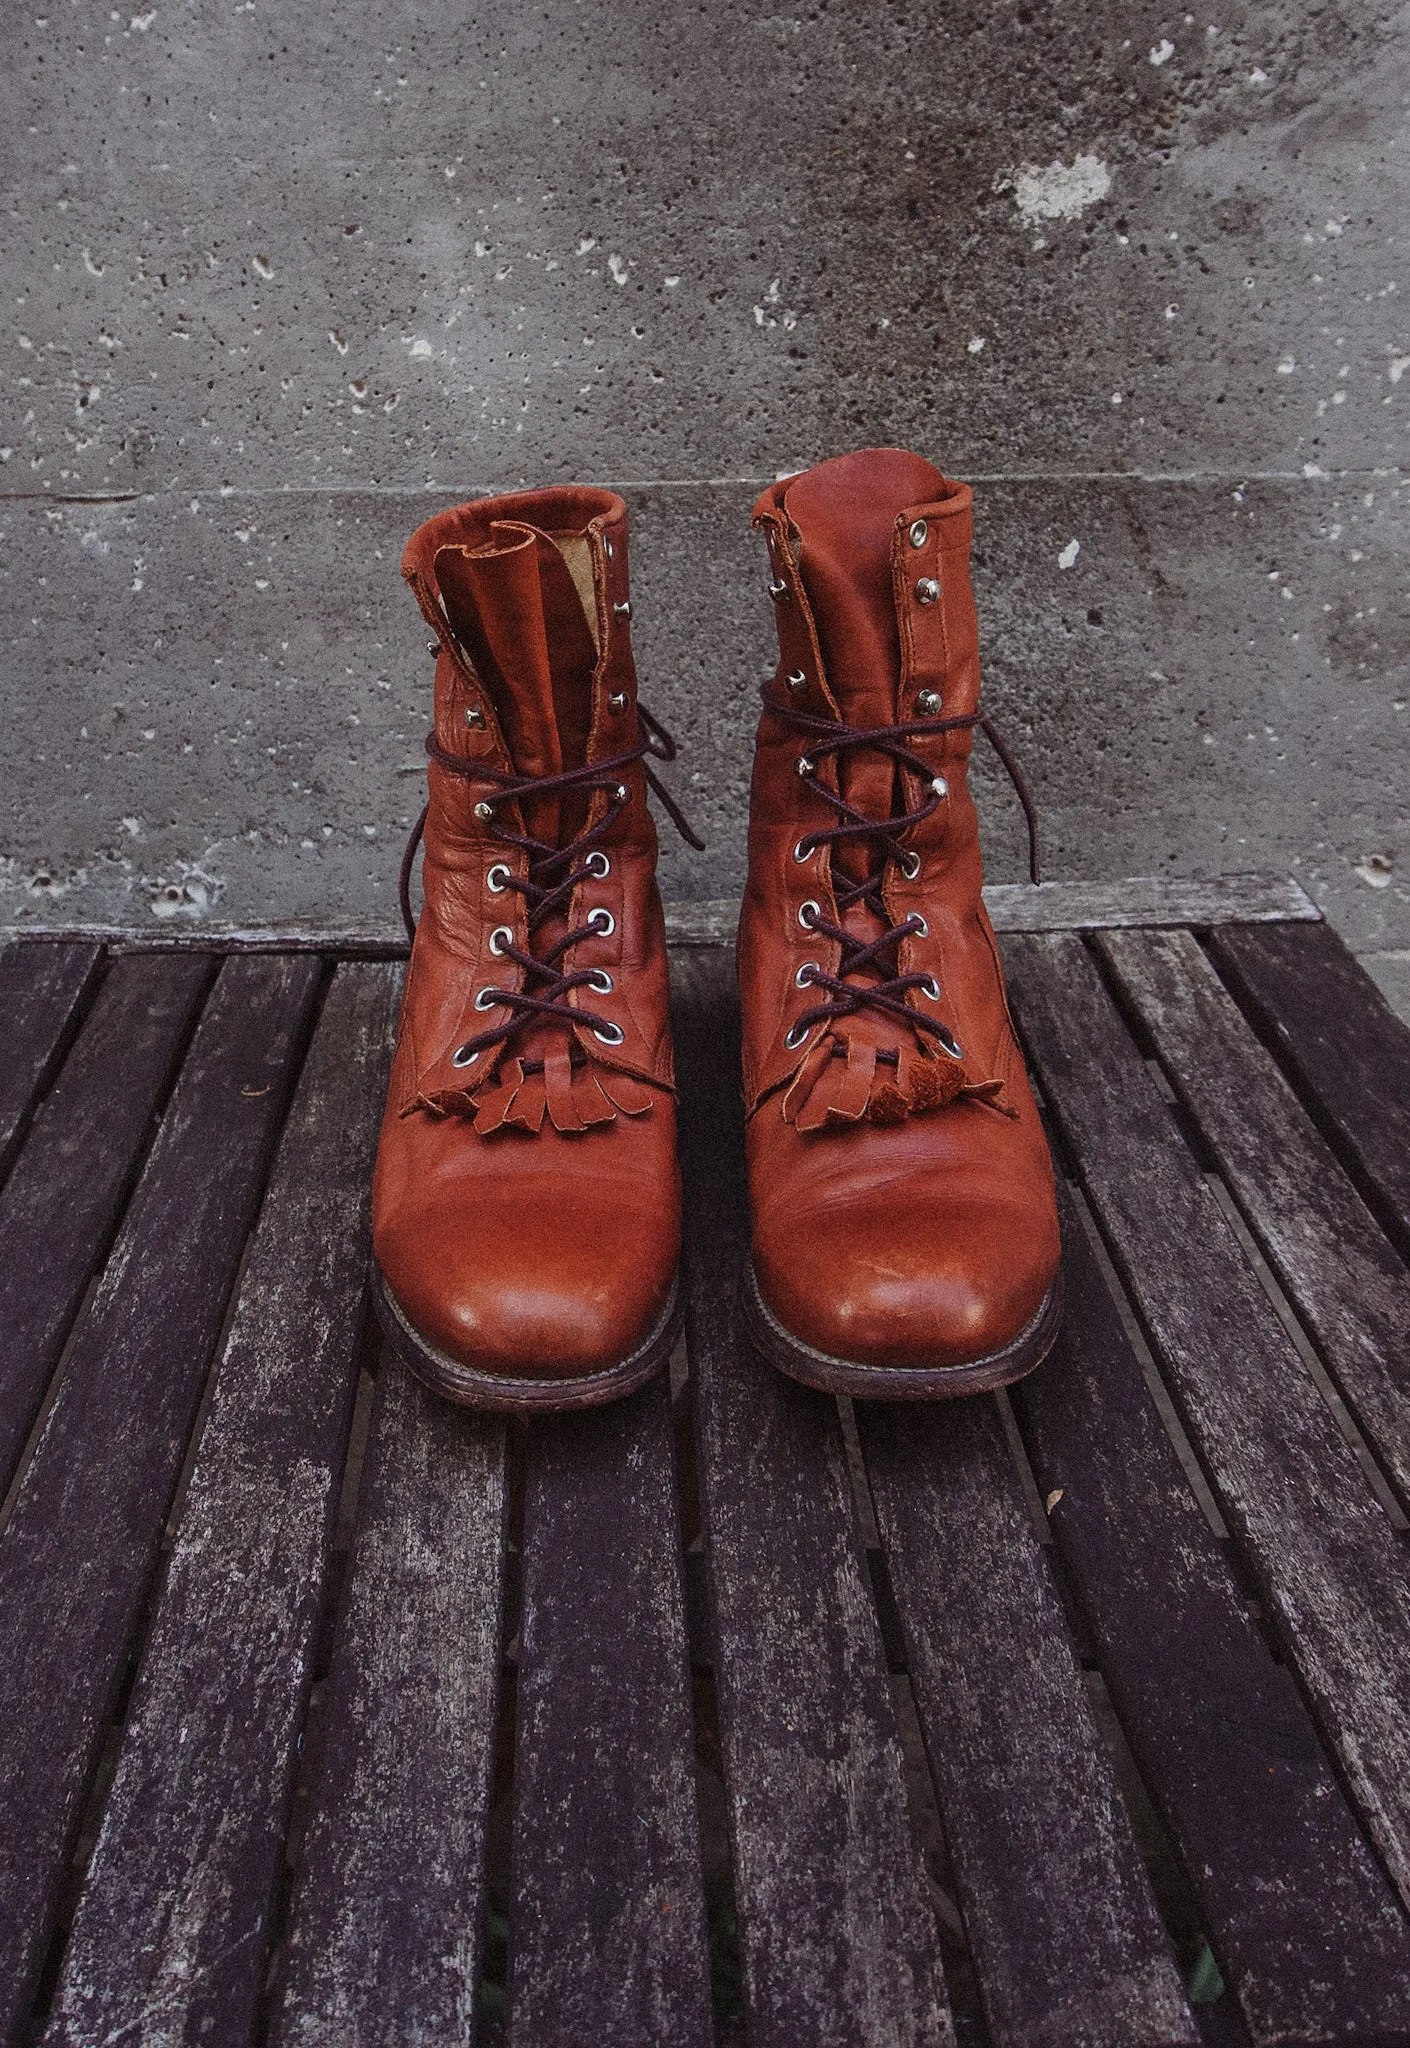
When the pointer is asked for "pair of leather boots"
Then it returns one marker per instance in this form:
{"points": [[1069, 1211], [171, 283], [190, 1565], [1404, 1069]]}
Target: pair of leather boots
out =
{"points": [[526, 1208]]}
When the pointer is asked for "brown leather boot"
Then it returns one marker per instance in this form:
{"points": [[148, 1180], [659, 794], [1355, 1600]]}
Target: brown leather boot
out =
{"points": [[905, 1236], [526, 1207]]}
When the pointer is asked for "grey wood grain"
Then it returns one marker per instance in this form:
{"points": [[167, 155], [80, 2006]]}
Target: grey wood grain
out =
{"points": [[1342, 1045], [1306, 1927], [838, 1943], [43, 987], [78, 1553], [1065, 1933], [1330, 1255], [1286, 1479], [64, 1196], [169, 1943], [386, 1932], [607, 1921]]}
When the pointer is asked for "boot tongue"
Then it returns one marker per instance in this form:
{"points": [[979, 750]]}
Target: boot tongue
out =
{"points": [[844, 513], [514, 606]]}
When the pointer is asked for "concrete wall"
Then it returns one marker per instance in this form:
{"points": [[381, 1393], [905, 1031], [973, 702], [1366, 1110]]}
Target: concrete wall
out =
{"points": [[280, 279]]}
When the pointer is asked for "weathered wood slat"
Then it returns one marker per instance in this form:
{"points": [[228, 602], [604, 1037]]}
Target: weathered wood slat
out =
{"points": [[42, 991], [170, 1937], [77, 1556], [1350, 1286], [607, 1922], [1064, 1929], [62, 1201], [1347, 1052], [838, 1944], [388, 1916], [1306, 1927], [1286, 1478]]}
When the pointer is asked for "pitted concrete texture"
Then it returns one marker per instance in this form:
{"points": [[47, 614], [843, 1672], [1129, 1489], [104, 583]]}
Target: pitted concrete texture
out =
{"points": [[281, 280]]}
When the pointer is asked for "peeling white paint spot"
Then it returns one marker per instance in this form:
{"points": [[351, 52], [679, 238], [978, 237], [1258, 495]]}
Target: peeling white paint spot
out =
{"points": [[1287, 366], [586, 242], [1398, 366], [420, 346], [132, 825], [671, 283], [619, 269], [976, 346], [191, 893], [1061, 192], [1163, 52], [1374, 870], [1313, 469], [1068, 558], [261, 266], [142, 22], [93, 269], [337, 340], [1258, 76]]}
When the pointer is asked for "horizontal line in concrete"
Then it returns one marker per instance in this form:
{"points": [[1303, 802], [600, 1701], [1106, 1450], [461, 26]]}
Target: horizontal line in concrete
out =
{"points": [[1199, 902]]}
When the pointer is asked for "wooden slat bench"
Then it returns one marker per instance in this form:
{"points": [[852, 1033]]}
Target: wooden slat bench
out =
{"points": [[334, 1717]]}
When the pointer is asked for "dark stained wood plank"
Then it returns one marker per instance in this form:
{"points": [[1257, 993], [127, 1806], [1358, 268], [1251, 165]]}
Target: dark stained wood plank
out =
{"points": [[607, 1920], [1288, 1483], [388, 1918], [170, 1937], [77, 1555], [1305, 1925], [1057, 1904], [43, 987], [63, 1199], [837, 1940], [1349, 1285], [1342, 1045]]}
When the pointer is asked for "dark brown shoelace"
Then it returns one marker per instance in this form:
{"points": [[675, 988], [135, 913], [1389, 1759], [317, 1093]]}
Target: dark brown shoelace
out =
{"points": [[878, 957], [553, 874]]}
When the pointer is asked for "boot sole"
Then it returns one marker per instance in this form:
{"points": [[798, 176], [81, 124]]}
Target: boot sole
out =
{"points": [[502, 1395], [899, 1382]]}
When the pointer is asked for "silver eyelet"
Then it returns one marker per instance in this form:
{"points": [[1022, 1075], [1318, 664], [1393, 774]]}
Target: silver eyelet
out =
{"points": [[500, 937], [624, 795], [800, 855], [433, 646], [804, 976], [795, 1035], [484, 811], [463, 1057], [601, 980], [928, 702], [931, 987], [617, 701], [607, 547], [488, 997], [815, 908], [919, 531], [927, 591], [778, 591], [919, 928], [611, 1034], [598, 863], [804, 765], [951, 1043], [623, 609], [602, 921], [910, 863], [797, 680], [474, 717], [497, 878], [940, 787]]}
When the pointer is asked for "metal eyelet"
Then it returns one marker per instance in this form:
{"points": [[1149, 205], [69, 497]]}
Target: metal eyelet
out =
{"points": [[598, 863], [803, 978], [928, 702], [433, 646], [951, 1043], [919, 928], [797, 680], [500, 937], [927, 591], [463, 1057], [612, 1034], [602, 921], [909, 863], [607, 547], [815, 908], [624, 795], [940, 787], [931, 987], [488, 997], [484, 811], [497, 878], [617, 701], [795, 1035], [919, 531], [600, 980], [778, 591], [474, 717], [804, 765], [623, 608], [803, 851]]}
